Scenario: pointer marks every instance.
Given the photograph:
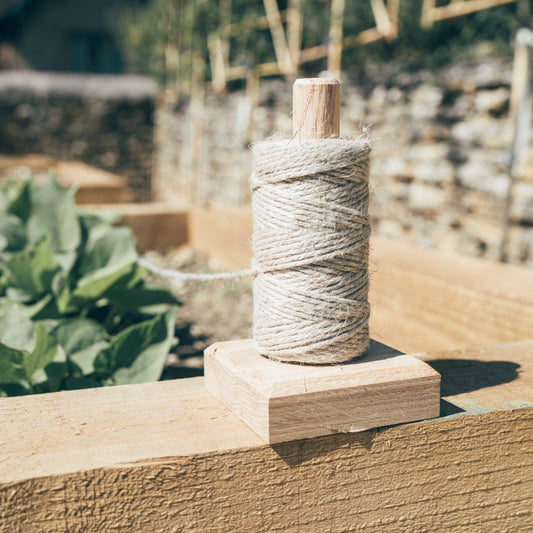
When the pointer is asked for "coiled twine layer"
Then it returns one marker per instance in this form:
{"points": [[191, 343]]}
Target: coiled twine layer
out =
{"points": [[310, 245]]}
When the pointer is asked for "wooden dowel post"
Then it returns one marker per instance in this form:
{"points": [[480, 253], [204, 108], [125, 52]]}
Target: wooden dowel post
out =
{"points": [[316, 108]]}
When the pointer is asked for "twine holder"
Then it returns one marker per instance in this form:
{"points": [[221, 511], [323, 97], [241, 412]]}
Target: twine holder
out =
{"points": [[311, 235]]}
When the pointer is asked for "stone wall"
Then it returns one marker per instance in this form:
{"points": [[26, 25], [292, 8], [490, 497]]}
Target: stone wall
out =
{"points": [[441, 149], [105, 121]]}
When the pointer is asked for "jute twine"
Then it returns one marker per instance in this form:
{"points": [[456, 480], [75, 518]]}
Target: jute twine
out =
{"points": [[310, 247]]}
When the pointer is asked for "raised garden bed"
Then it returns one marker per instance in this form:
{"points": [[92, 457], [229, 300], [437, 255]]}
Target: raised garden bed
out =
{"points": [[168, 457], [94, 185]]}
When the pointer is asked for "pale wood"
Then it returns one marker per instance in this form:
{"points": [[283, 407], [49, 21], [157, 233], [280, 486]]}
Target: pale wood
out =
{"points": [[283, 402], [168, 457], [294, 30], [218, 46], [426, 300], [393, 9], [32, 161], [365, 37], [223, 232], [268, 69], [93, 184], [238, 72], [307, 55], [155, 225], [381, 16], [217, 63], [279, 39], [185, 82], [520, 78], [427, 18], [264, 69], [224, 11], [316, 108], [520, 116], [314, 53], [293, 42], [197, 124], [335, 37], [259, 23], [482, 277], [287, 44], [431, 14]]}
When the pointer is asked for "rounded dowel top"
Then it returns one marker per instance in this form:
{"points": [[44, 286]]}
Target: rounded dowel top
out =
{"points": [[316, 108]]}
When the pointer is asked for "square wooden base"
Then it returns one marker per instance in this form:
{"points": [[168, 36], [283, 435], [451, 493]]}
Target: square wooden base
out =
{"points": [[283, 402]]}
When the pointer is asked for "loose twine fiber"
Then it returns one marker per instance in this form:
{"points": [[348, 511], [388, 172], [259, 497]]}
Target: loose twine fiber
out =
{"points": [[310, 246]]}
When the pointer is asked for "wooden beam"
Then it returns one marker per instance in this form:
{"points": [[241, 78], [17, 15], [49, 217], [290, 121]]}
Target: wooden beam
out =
{"points": [[294, 29], [381, 16], [247, 25], [93, 184], [427, 18], [241, 72], [216, 63], [238, 72], [520, 77], [432, 14], [168, 457], [365, 37], [187, 18], [224, 232], [314, 53], [279, 40], [520, 117], [196, 140], [156, 226], [426, 300], [336, 25], [224, 17], [393, 9], [267, 69]]}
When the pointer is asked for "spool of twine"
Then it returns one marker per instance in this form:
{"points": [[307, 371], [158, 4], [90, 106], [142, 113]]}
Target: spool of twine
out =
{"points": [[311, 235]]}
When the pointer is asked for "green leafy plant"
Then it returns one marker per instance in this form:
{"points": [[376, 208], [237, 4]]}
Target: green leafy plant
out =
{"points": [[76, 310]]}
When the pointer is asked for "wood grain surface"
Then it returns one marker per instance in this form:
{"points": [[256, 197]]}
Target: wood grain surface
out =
{"points": [[282, 402], [155, 225], [316, 104], [168, 457], [94, 185], [428, 300]]}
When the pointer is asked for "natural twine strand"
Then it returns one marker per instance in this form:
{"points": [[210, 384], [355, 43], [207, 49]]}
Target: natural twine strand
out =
{"points": [[310, 248], [178, 275]]}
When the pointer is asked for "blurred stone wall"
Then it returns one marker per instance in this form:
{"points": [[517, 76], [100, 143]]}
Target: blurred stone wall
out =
{"points": [[105, 121], [441, 149]]}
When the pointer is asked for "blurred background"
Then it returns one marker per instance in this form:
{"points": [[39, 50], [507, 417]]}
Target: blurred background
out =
{"points": [[169, 94]]}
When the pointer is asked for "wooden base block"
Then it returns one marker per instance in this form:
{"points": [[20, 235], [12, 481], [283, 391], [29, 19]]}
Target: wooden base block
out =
{"points": [[283, 402]]}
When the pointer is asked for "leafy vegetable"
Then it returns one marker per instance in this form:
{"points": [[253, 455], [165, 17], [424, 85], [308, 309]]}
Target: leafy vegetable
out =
{"points": [[75, 308]]}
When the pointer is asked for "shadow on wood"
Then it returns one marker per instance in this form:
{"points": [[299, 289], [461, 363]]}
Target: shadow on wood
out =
{"points": [[459, 376]]}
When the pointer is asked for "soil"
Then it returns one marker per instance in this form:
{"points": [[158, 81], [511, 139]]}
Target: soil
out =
{"points": [[213, 311]]}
